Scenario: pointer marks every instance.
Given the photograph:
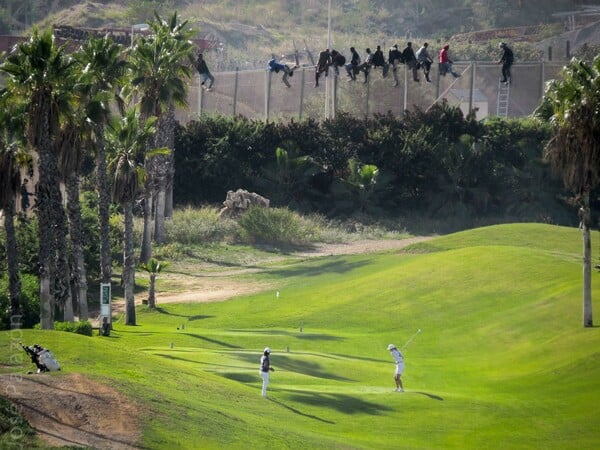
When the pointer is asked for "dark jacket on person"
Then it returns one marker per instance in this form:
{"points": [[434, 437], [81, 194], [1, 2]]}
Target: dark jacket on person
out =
{"points": [[378, 58], [408, 54]]}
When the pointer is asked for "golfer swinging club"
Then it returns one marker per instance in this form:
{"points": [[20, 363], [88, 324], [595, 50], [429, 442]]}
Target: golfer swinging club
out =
{"points": [[399, 366], [265, 367]]}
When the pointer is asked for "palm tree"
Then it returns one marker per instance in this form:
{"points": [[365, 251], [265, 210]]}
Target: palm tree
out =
{"points": [[99, 67], [153, 267], [572, 104], [127, 138], [11, 128], [159, 64], [39, 72]]}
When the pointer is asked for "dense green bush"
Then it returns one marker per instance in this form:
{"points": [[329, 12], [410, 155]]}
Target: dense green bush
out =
{"points": [[435, 163], [30, 302], [84, 328]]}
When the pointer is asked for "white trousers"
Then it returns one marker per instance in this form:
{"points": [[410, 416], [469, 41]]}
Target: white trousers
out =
{"points": [[265, 378]]}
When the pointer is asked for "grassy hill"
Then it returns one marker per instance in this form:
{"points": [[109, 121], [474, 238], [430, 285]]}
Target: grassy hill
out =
{"points": [[502, 361]]}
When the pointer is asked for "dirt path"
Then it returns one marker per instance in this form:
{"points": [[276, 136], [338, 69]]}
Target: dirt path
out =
{"points": [[71, 409]]}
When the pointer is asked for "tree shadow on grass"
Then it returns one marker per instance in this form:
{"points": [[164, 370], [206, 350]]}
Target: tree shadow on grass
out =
{"points": [[343, 403], [338, 266]]}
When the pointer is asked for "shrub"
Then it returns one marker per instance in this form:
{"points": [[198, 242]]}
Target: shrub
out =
{"points": [[275, 226], [198, 226], [84, 327]]}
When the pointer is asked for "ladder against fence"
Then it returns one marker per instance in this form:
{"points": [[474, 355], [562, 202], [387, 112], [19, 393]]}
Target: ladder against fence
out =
{"points": [[261, 95], [503, 99]]}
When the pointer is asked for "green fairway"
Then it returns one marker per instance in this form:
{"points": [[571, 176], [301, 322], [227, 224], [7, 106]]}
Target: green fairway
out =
{"points": [[502, 362]]}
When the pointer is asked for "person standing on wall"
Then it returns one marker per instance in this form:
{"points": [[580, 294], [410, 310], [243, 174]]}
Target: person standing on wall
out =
{"points": [[506, 60]]}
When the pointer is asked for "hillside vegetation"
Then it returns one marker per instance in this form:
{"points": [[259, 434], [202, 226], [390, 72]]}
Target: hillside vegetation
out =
{"points": [[502, 360], [249, 30]]}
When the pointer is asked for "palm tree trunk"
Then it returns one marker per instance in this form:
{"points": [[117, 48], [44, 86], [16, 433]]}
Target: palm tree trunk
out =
{"points": [[169, 196], [46, 260], [146, 251], [152, 292], [587, 263], [62, 283], [103, 189], [14, 281], [159, 213], [129, 265], [79, 272]]}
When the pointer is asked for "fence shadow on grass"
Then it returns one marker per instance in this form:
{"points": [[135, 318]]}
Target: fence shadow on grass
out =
{"points": [[427, 394], [296, 411], [296, 334], [340, 402], [339, 266], [212, 341]]}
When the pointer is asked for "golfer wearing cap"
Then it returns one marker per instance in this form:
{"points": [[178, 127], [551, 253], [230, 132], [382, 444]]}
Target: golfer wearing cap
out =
{"points": [[399, 366], [265, 367]]}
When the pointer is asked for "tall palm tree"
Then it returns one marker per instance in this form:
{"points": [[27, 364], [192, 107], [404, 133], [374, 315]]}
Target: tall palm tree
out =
{"points": [[572, 104], [160, 64], [127, 139], [40, 73], [11, 136], [101, 68]]}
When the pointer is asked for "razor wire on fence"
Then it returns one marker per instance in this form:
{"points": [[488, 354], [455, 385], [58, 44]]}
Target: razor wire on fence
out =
{"points": [[261, 95]]}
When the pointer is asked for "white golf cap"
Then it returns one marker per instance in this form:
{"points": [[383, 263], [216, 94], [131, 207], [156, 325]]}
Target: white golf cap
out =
{"points": [[391, 346], [267, 350]]}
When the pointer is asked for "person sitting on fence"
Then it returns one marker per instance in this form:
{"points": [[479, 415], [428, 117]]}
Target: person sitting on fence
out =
{"points": [[379, 61], [446, 63], [424, 60], [276, 66], [352, 68], [394, 60], [337, 60], [323, 64], [366, 66], [204, 73], [408, 54]]}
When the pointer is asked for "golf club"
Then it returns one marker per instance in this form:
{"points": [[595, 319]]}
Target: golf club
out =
{"points": [[410, 339]]}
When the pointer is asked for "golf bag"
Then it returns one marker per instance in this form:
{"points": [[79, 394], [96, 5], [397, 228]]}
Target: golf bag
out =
{"points": [[42, 358]]}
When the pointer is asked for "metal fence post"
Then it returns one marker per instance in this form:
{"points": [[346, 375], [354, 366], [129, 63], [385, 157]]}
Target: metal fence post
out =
{"points": [[235, 90], [334, 80], [200, 97], [267, 94], [472, 90], [405, 100], [543, 83], [302, 79], [368, 91]]}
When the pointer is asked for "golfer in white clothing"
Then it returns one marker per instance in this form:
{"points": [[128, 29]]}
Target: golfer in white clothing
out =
{"points": [[399, 366], [265, 367]]}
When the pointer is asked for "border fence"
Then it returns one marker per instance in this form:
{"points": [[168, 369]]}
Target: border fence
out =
{"points": [[260, 94]]}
